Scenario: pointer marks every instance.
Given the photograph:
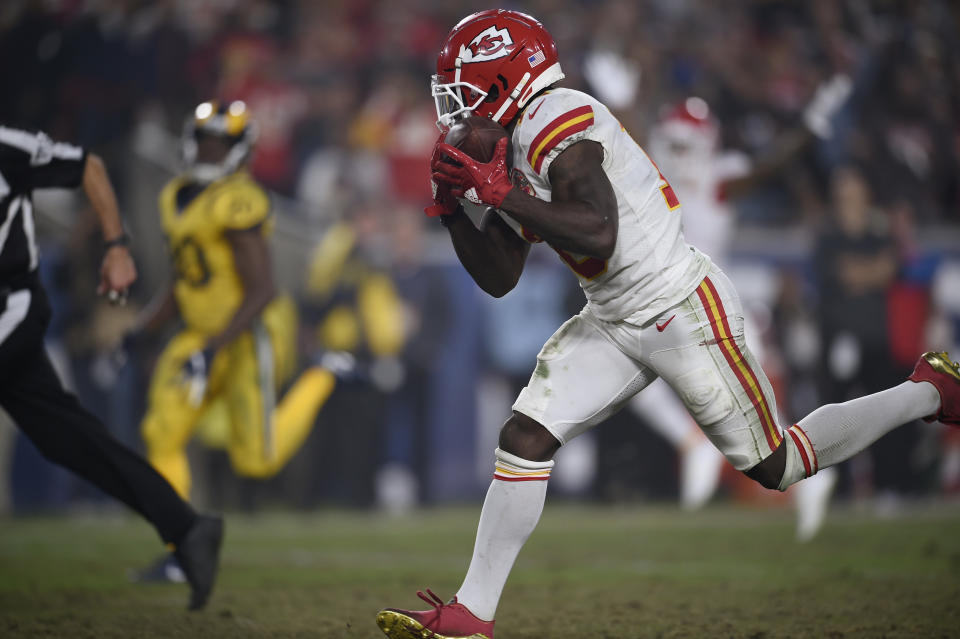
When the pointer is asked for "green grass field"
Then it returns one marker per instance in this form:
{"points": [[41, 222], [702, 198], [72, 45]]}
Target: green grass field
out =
{"points": [[586, 572]]}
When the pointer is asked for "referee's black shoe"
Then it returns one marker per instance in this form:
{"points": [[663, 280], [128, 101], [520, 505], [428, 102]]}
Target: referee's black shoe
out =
{"points": [[199, 557]]}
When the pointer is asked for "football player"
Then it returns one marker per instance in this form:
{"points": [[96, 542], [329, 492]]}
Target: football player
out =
{"points": [[581, 184], [685, 146], [239, 341]]}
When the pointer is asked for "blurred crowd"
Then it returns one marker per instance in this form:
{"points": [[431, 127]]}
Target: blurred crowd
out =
{"points": [[849, 258]]}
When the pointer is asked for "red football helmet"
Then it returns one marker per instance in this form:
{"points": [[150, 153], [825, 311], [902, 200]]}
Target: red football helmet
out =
{"points": [[688, 125], [684, 142], [492, 63]]}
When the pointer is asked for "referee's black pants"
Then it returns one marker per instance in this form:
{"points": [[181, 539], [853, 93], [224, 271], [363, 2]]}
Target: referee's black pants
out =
{"points": [[64, 431]]}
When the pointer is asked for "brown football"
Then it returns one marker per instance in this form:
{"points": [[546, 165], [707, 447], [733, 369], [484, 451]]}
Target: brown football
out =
{"points": [[476, 136]]}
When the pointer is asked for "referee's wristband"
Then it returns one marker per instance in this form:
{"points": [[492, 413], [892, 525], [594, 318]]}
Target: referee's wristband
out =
{"points": [[121, 240]]}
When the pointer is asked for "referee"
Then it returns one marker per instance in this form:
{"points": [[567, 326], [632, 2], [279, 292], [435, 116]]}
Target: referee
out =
{"points": [[30, 390]]}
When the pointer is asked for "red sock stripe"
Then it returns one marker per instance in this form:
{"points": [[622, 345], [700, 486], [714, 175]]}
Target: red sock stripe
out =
{"points": [[813, 451], [736, 361], [502, 478], [803, 452]]}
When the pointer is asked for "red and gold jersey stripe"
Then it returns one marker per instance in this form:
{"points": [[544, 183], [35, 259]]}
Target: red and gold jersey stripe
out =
{"points": [[731, 352], [557, 131]]}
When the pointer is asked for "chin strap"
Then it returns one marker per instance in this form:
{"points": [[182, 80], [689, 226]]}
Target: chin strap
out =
{"points": [[513, 96]]}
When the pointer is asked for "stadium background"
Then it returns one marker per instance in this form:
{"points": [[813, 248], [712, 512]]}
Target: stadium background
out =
{"points": [[340, 92]]}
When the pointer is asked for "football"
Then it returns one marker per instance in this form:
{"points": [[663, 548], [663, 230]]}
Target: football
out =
{"points": [[476, 136]]}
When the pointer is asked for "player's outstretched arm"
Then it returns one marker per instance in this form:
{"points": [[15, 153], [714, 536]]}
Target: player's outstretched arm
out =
{"points": [[494, 257], [252, 258], [828, 99], [582, 216], [786, 148]]}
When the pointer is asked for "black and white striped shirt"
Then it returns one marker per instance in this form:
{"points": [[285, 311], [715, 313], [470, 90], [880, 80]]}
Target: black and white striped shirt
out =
{"points": [[28, 161]]}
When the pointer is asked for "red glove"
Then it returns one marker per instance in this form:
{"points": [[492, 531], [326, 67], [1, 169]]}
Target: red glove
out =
{"points": [[478, 182], [444, 203]]}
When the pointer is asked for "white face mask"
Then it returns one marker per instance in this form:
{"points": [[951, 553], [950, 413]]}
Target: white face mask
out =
{"points": [[449, 103], [211, 172], [202, 172]]}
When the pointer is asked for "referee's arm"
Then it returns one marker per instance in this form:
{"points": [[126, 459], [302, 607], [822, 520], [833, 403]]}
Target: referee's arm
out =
{"points": [[96, 184], [117, 272], [31, 160], [39, 162]]}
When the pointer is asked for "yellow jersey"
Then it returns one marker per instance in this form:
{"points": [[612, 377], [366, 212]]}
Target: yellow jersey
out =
{"points": [[195, 218], [362, 311]]}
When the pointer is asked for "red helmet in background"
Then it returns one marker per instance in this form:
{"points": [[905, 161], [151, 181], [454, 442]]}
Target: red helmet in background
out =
{"points": [[689, 124], [685, 141], [491, 64]]}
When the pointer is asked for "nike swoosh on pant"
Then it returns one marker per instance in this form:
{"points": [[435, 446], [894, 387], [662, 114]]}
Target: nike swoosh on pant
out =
{"points": [[661, 327]]}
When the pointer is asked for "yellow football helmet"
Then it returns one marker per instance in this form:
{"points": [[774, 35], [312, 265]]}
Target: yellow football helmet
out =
{"points": [[232, 123]]}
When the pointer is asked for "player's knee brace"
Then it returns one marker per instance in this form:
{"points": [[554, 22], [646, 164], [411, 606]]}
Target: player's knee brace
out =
{"points": [[509, 467]]}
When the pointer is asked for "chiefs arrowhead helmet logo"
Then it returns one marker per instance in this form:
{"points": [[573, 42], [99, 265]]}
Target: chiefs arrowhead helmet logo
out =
{"points": [[490, 44]]}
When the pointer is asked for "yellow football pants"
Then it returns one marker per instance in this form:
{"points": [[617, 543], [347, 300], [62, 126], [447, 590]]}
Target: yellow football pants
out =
{"points": [[244, 377]]}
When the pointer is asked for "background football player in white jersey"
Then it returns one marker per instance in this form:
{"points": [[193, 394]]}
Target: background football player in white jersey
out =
{"points": [[655, 305], [685, 146]]}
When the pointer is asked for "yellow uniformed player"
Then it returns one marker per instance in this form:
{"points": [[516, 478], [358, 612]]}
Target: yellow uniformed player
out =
{"points": [[360, 309], [239, 341], [352, 306]]}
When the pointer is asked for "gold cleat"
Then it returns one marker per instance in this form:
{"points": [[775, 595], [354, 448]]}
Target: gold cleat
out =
{"points": [[449, 620], [941, 363], [397, 625]]}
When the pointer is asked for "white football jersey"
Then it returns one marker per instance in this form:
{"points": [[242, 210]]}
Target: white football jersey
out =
{"points": [[708, 218], [652, 268]]}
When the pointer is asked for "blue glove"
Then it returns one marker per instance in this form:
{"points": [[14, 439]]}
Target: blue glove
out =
{"points": [[196, 371]]}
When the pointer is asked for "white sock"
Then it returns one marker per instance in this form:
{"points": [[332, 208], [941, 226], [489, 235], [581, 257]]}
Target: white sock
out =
{"points": [[836, 432], [510, 513]]}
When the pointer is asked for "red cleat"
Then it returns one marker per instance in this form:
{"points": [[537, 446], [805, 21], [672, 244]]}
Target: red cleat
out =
{"points": [[445, 621], [939, 370]]}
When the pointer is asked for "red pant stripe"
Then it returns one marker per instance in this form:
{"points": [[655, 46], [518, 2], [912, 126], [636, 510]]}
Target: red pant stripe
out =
{"points": [[731, 352]]}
